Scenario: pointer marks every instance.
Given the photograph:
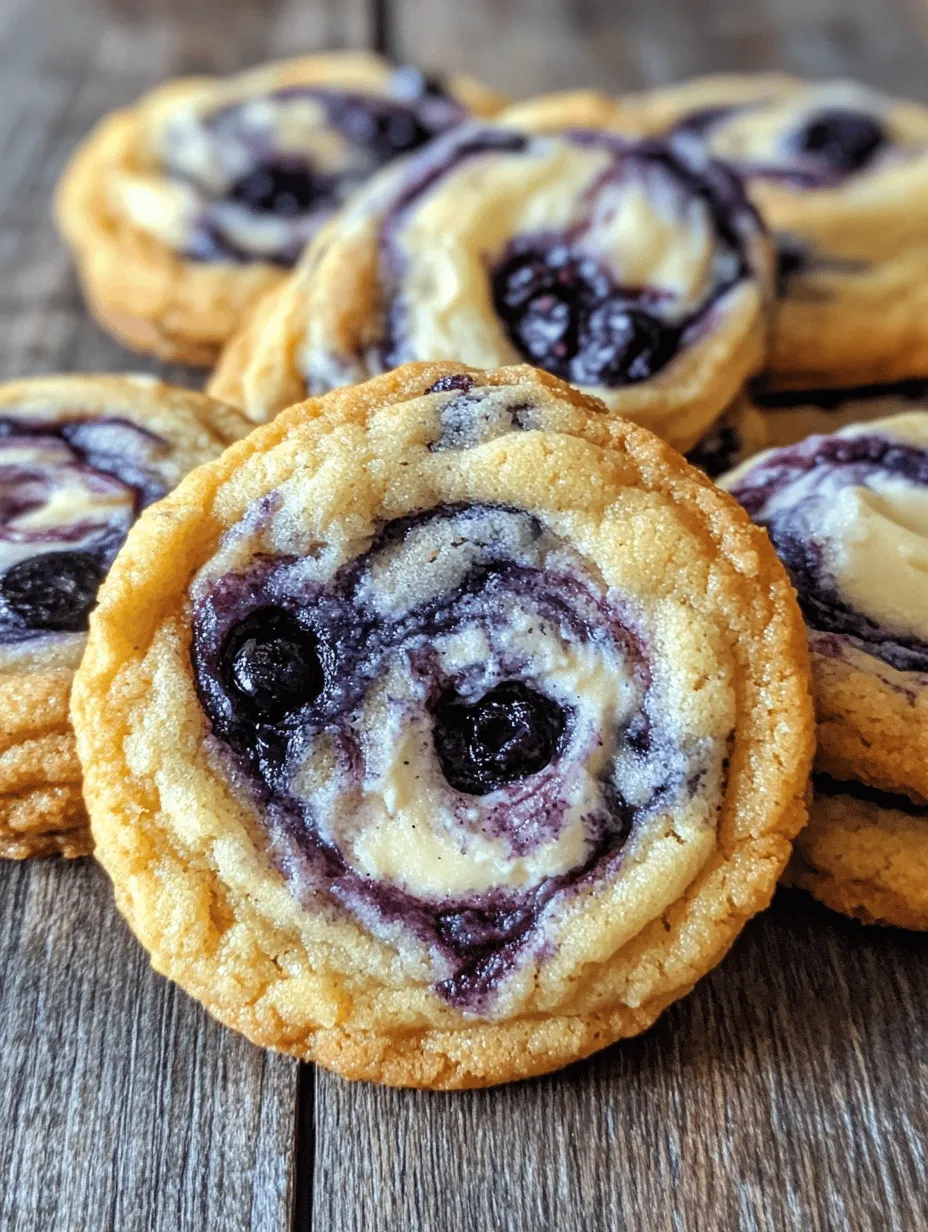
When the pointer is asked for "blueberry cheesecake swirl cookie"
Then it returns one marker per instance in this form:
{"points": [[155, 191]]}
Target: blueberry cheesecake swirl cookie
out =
{"points": [[464, 731], [637, 274], [80, 457], [848, 516], [865, 853], [182, 210], [839, 174]]}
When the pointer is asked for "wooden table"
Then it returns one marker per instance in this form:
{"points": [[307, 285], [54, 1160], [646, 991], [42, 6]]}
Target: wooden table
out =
{"points": [[789, 1091]]}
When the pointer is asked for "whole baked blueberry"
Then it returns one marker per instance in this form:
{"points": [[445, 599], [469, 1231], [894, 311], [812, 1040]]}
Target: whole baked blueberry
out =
{"points": [[844, 140], [621, 345], [509, 733], [284, 189], [54, 591], [564, 313], [385, 128], [271, 665]]}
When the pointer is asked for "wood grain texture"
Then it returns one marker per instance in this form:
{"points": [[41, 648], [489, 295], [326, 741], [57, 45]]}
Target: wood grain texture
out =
{"points": [[124, 1105], [530, 46], [788, 1093]]}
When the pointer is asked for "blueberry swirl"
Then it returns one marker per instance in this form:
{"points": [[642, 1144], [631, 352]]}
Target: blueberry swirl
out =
{"points": [[848, 516], [70, 488], [806, 136], [468, 733], [634, 271], [447, 734], [252, 177], [645, 244], [835, 170]]}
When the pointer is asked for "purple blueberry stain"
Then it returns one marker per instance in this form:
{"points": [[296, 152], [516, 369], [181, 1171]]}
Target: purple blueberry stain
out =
{"points": [[54, 589], [285, 188], [281, 662], [841, 462], [822, 150], [460, 381], [562, 312], [510, 732], [841, 140], [559, 305], [54, 592], [264, 181], [476, 416], [272, 665]]}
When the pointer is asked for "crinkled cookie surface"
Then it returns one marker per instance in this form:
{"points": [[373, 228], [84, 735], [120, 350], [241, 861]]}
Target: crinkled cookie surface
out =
{"points": [[446, 729]]}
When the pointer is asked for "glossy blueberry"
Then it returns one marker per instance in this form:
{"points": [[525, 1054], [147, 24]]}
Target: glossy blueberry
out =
{"points": [[284, 189], [511, 732], [386, 129], [271, 665], [620, 345], [455, 381], [54, 591], [563, 313], [844, 140]]}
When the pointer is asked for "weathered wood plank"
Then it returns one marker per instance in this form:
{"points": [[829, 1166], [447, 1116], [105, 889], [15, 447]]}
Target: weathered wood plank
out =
{"points": [[530, 46], [125, 1106], [788, 1093]]}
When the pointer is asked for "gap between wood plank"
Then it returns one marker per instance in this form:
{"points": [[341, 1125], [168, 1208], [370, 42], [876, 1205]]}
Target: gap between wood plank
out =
{"points": [[382, 28], [305, 1149]]}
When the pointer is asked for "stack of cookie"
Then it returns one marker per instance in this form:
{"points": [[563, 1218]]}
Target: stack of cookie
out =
{"points": [[450, 725], [848, 515], [80, 458]]}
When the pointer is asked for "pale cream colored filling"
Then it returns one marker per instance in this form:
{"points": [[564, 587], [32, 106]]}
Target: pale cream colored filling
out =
{"points": [[405, 826], [760, 134], [643, 231], [74, 499], [877, 551], [874, 535], [167, 208]]}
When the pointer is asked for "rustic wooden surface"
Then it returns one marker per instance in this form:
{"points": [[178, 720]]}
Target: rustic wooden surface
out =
{"points": [[789, 1092]]}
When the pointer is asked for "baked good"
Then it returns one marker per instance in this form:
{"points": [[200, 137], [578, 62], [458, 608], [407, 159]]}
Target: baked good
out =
{"points": [[183, 209], [79, 457], [444, 730], [865, 853], [838, 172], [848, 516], [638, 274]]}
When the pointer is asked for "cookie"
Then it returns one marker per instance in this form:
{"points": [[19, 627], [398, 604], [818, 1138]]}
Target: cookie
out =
{"points": [[444, 730], [865, 853], [789, 416], [184, 209], [640, 275], [79, 458], [848, 516], [840, 175]]}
